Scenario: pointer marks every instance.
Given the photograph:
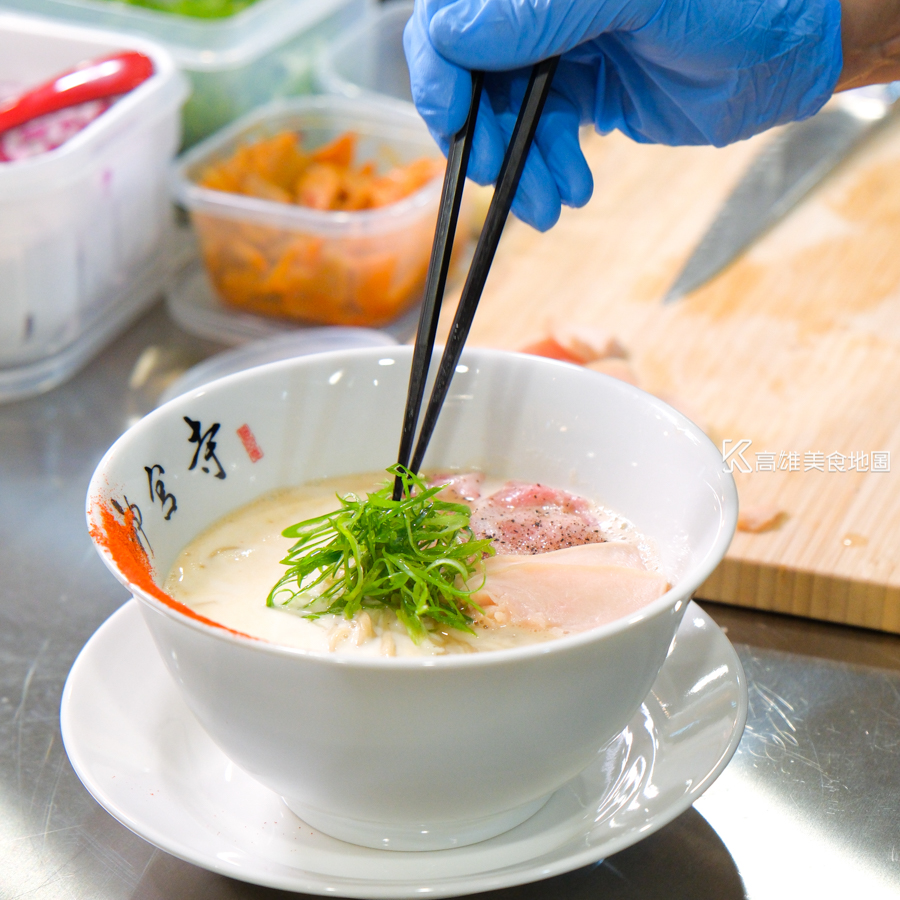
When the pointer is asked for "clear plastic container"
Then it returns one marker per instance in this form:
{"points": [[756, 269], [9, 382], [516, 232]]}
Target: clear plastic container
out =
{"points": [[333, 268], [368, 59], [84, 228], [234, 64]]}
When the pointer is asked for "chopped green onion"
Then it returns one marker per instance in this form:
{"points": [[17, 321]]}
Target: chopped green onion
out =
{"points": [[413, 556]]}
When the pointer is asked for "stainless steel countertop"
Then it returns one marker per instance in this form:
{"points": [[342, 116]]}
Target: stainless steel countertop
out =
{"points": [[808, 808]]}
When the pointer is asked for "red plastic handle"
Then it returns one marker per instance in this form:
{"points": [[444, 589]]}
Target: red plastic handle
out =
{"points": [[94, 80]]}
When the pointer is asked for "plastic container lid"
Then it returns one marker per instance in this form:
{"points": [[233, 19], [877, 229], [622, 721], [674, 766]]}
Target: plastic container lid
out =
{"points": [[285, 346], [368, 60], [204, 45]]}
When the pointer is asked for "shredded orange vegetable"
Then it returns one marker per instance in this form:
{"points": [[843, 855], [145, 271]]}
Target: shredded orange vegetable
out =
{"points": [[357, 279]]}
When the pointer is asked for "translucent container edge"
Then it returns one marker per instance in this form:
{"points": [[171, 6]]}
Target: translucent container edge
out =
{"points": [[296, 218], [252, 33]]}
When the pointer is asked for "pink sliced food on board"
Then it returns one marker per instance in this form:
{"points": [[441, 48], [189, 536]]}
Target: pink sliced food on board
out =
{"points": [[533, 518], [569, 590], [759, 518]]}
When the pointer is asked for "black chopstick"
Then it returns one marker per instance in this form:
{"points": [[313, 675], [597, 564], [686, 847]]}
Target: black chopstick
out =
{"points": [[436, 279], [507, 183]]}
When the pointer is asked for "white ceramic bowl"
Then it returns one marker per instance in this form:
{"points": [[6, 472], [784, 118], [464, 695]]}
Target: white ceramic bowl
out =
{"points": [[409, 753]]}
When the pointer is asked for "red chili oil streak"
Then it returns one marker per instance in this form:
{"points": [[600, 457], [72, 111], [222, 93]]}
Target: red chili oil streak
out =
{"points": [[119, 539]]}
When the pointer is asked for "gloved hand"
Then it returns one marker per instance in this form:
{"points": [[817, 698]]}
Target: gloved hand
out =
{"points": [[660, 71]]}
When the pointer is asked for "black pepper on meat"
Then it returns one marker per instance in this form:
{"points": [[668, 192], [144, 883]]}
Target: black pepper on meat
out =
{"points": [[527, 519]]}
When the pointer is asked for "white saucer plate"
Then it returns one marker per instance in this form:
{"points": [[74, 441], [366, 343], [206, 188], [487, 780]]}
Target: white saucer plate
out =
{"points": [[142, 755]]}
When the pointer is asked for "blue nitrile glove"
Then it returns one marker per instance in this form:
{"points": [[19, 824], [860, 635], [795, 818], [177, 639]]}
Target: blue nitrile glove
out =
{"points": [[660, 71]]}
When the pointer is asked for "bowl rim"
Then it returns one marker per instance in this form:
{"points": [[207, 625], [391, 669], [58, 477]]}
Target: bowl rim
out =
{"points": [[673, 601]]}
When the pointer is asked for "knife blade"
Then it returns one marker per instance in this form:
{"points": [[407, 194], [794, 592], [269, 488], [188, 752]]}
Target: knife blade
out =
{"points": [[785, 171]]}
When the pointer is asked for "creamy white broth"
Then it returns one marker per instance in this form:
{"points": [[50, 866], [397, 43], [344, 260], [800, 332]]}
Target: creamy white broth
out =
{"points": [[226, 573]]}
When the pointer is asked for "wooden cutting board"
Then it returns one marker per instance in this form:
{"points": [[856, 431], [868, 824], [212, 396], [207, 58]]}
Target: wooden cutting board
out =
{"points": [[796, 347]]}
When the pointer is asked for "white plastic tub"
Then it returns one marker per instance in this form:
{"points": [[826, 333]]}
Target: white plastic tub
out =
{"points": [[84, 229], [368, 60], [234, 63]]}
